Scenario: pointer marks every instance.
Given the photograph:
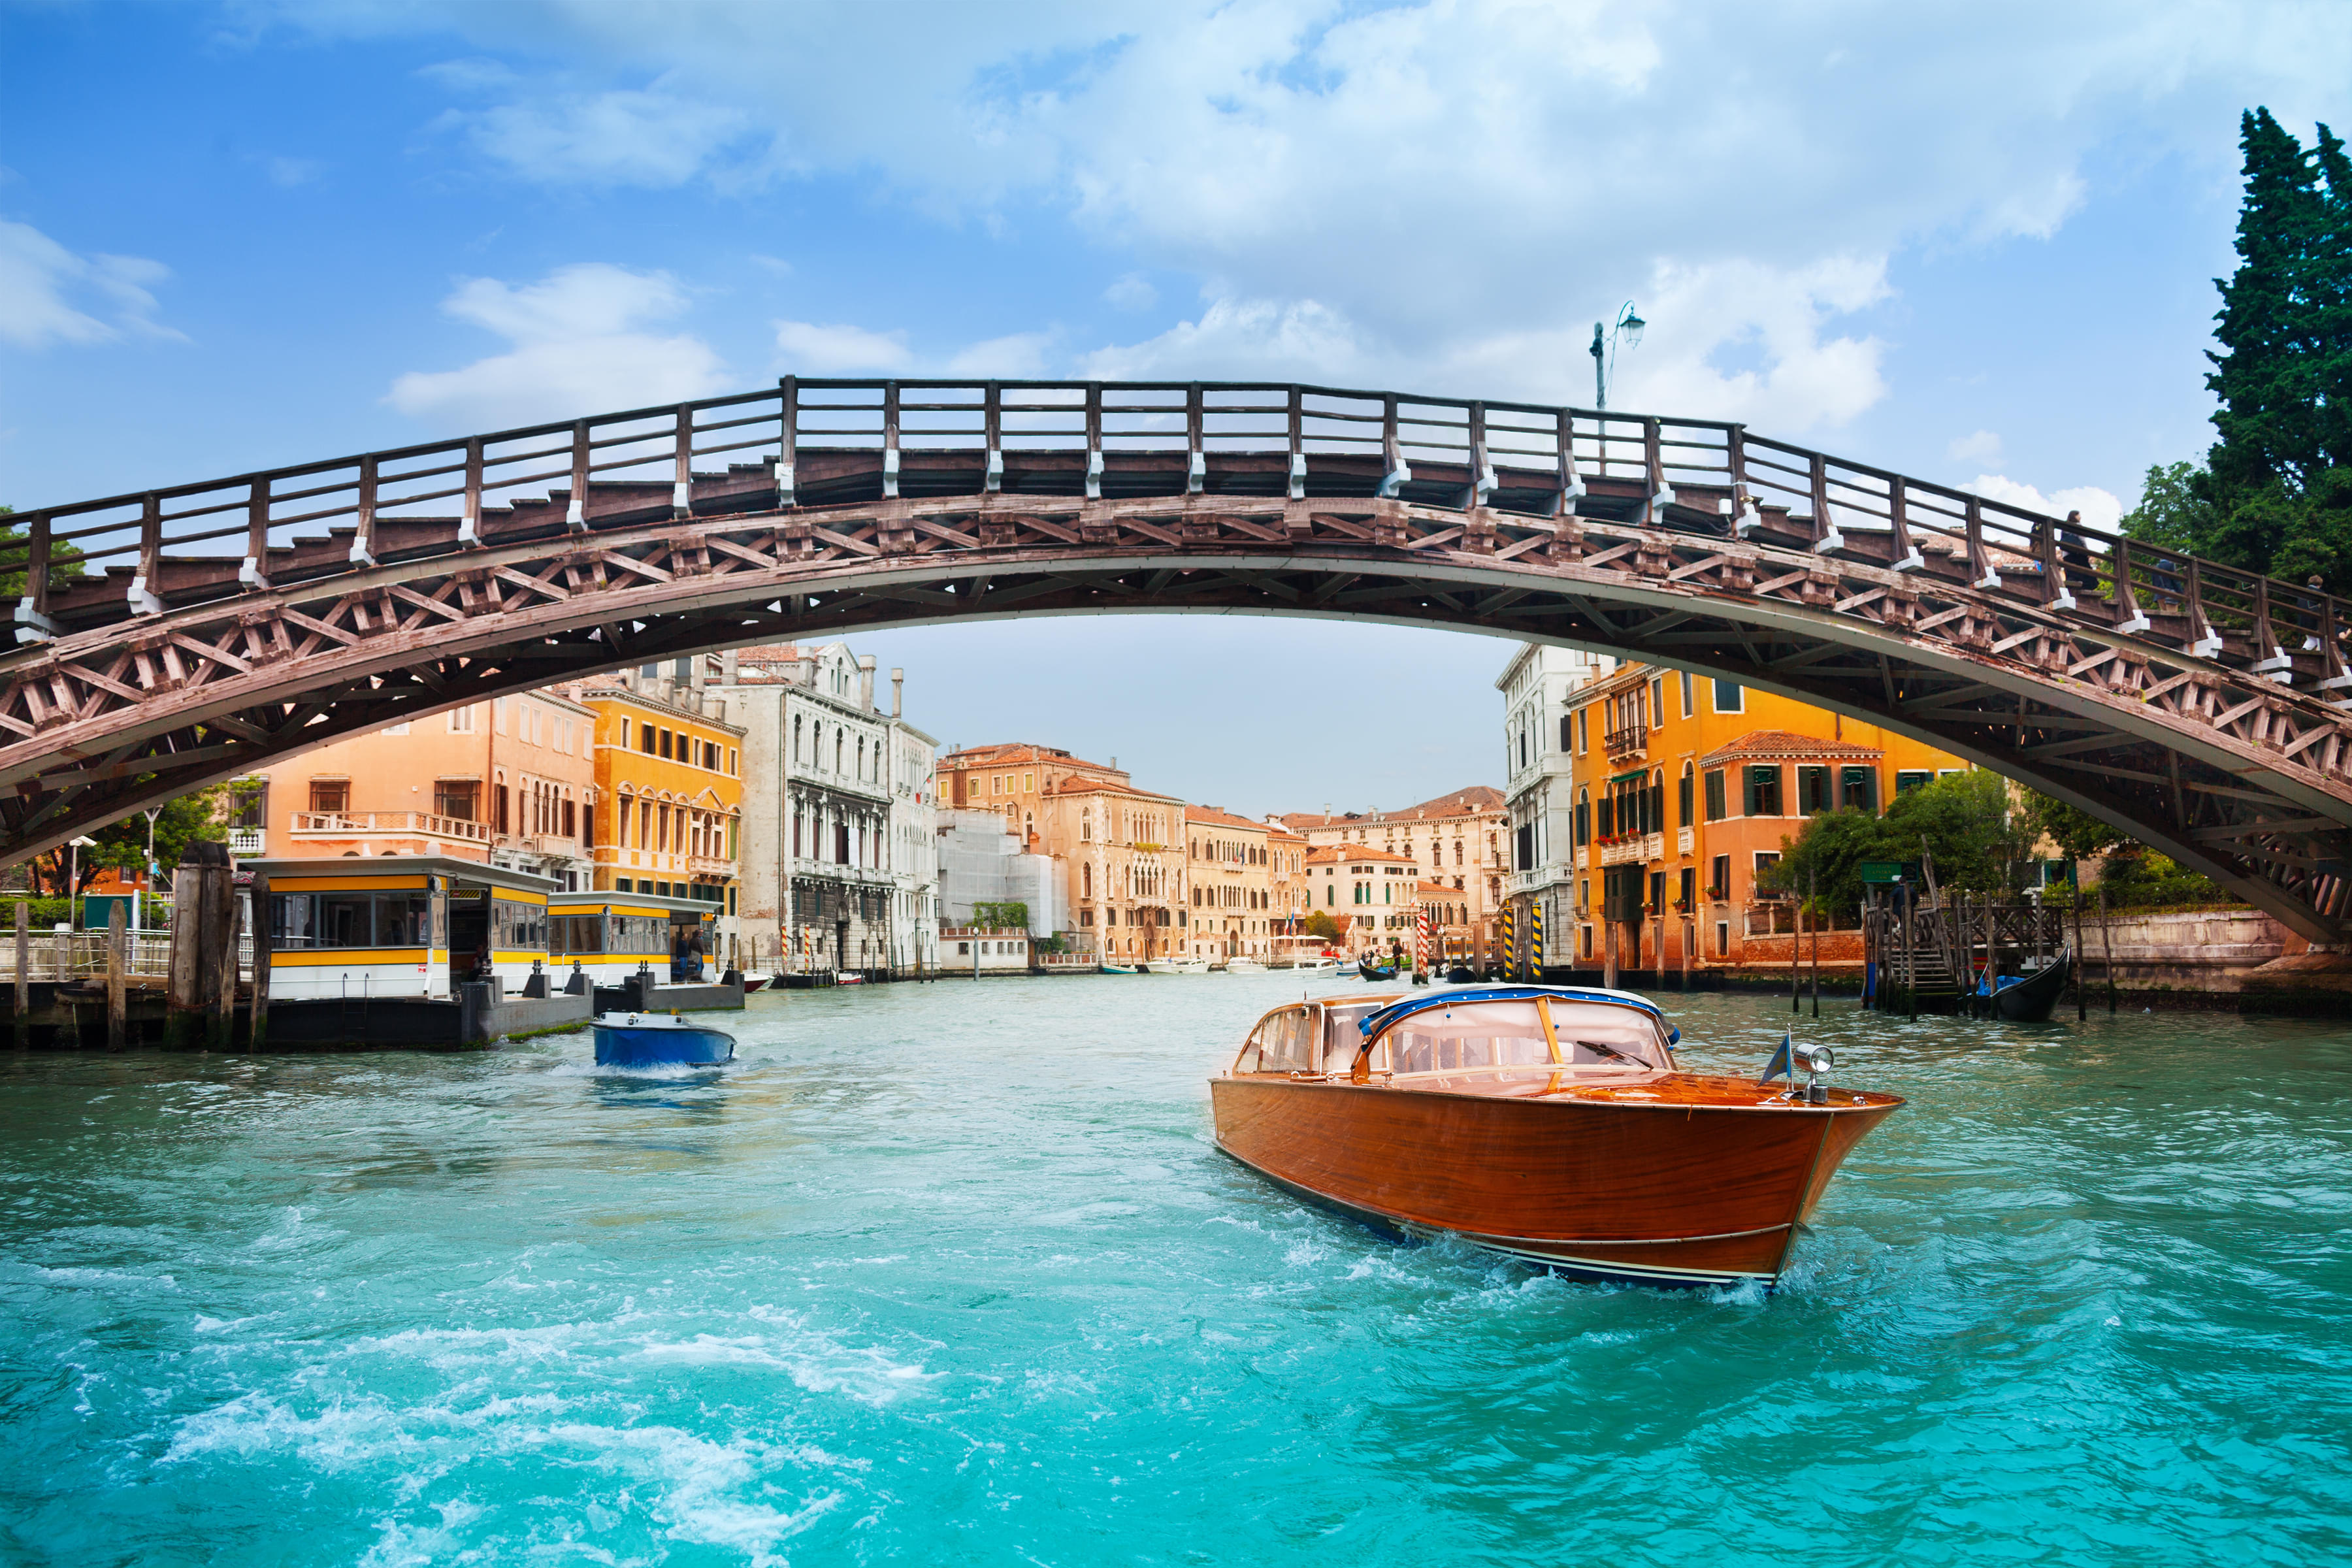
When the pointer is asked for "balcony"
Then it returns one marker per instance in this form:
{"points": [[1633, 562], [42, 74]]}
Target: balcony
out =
{"points": [[364, 824], [1684, 840], [1585, 857], [1628, 742], [711, 866], [546, 846], [248, 843], [1635, 849]]}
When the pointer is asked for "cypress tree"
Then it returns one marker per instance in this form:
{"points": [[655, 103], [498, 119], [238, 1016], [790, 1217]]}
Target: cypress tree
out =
{"points": [[2275, 495], [2264, 379]]}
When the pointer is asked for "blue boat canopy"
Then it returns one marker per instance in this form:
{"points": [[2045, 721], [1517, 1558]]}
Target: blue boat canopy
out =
{"points": [[1373, 1023]]}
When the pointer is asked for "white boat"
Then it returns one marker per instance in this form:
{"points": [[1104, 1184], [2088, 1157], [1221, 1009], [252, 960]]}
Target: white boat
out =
{"points": [[1319, 966], [1177, 966], [1244, 966]]}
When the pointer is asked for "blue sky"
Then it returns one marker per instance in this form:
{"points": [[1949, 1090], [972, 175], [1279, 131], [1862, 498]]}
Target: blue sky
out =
{"points": [[1975, 243]]}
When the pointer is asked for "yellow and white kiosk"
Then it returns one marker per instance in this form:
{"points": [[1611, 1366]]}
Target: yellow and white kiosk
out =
{"points": [[611, 936], [401, 926]]}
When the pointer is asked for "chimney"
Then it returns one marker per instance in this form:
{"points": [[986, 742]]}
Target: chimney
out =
{"points": [[1114, 764], [865, 681], [898, 691], [807, 676], [729, 667]]}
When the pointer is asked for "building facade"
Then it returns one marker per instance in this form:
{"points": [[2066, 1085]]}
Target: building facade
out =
{"points": [[1121, 850], [981, 861], [1229, 865], [1013, 779], [841, 854], [1538, 687], [1682, 790], [510, 783], [1458, 839], [1368, 891], [669, 780]]}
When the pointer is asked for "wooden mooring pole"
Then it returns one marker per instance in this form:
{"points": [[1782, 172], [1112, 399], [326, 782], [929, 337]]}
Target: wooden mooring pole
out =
{"points": [[204, 923], [23, 973], [2081, 1000], [258, 1030], [2107, 946], [118, 1000], [1797, 959], [1813, 896]]}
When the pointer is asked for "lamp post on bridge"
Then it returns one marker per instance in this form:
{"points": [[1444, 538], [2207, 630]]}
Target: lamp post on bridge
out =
{"points": [[1629, 326]]}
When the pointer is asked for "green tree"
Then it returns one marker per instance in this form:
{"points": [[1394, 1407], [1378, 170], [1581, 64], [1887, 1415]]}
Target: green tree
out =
{"points": [[122, 846], [2171, 512], [2076, 832], [1963, 820], [1322, 925], [1010, 915], [2273, 495]]}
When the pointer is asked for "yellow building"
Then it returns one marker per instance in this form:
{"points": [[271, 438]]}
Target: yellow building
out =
{"points": [[668, 818], [1684, 788], [1229, 864]]}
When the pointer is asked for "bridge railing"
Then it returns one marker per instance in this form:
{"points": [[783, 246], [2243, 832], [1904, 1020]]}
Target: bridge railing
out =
{"points": [[401, 503]]}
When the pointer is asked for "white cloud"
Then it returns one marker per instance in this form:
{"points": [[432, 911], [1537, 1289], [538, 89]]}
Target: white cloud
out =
{"points": [[578, 346], [2099, 507], [52, 295], [618, 138], [1017, 357], [289, 173], [809, 349], [1982, 446], [1445, 187], [1132, 292]]}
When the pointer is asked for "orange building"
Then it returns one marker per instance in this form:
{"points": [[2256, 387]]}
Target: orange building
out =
{"points": [[510, 783], [1121, 855], [1013, 779], [1684, 789]]}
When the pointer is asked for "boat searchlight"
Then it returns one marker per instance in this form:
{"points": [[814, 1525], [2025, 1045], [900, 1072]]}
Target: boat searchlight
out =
{"points": [[1816, 1061]]}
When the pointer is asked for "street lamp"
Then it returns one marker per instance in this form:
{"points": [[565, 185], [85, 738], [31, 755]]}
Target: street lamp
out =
{"points": [[73, 868], [1628, 326]]}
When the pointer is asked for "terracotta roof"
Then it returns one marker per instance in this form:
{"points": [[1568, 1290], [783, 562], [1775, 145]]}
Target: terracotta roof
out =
{"points": [[1277, 834], [1472, 801], [1439, 890], [1005, 752], [1212, 816], [1087, 783], [1789, 743]]}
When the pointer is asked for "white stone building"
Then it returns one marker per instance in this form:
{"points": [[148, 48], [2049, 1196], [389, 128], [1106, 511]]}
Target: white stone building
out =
{"points": [[1539, 753], [839, 867]]}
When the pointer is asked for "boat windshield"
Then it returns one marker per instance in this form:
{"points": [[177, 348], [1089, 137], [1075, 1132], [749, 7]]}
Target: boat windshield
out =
{"points": [[1591, 1035]]}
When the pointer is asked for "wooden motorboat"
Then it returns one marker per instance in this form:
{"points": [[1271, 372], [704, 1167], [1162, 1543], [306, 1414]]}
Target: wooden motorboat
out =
{"points": [[2027, 998], [1548, 1123], [658, 1039]]}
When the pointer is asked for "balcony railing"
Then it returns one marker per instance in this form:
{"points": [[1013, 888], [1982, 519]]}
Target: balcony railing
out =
{"points": [[248, 843], [1625, 742], [546, 845], [714, 866], [1683, 839], [352, 824], [1635, 849]]}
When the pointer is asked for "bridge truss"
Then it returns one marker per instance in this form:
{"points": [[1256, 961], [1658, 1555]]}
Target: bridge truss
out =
{"points": [[179, 637]]}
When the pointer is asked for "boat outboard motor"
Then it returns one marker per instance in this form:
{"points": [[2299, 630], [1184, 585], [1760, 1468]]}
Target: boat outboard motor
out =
{"points": [[1816, 1061]]}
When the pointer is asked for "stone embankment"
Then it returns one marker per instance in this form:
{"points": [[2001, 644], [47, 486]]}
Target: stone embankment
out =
{"points": [[2211, 958]]}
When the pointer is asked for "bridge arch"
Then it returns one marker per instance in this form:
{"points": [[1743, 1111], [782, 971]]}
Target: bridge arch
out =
{"points": [[2194, 706]]}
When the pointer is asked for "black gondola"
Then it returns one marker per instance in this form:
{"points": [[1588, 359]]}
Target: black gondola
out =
{"points": [[2031, 999], [1370, 971]]}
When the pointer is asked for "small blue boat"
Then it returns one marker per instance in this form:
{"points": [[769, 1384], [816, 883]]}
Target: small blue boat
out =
{"points": [[658, 1039]]}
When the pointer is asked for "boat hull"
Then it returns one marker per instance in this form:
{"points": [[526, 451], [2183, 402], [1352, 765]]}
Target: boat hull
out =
{"points": [[2033, 999], [1665, 1191], [619, 1045]]}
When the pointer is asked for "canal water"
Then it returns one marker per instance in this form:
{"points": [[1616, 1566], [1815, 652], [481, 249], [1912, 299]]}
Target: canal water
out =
{"points": [[954, 1274]]}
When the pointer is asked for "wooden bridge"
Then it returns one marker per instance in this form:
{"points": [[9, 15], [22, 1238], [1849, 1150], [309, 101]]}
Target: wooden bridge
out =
{"points": [[181, 636]]}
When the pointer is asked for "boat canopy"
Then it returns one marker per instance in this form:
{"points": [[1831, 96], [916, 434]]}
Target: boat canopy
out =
{"points": [[1468, 996]]}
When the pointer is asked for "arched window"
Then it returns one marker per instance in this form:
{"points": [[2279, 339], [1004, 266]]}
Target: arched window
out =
{"points": [[1085, 880], [1683, 798]]}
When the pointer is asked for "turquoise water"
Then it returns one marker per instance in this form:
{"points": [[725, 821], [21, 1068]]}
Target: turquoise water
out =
{"points": [[954, 1274]]}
